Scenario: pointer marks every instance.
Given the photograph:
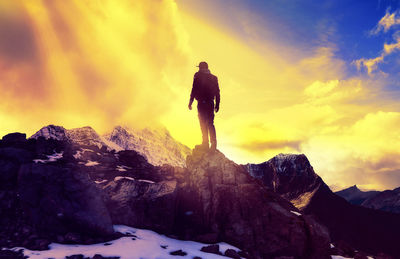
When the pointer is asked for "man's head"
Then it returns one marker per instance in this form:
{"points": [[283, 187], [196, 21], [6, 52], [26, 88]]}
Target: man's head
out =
{"points": [[203, 65]]}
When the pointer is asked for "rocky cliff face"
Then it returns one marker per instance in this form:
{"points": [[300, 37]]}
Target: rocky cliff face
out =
{"points": [[219, 199], [364, 229]]}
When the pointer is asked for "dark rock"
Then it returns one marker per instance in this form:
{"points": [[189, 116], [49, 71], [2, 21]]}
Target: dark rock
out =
{"points": [[388, 200], [59, 200], [13, 138], [98, 256], [8, 254], [363, 229], [178, 252], [227, 201], [77, 256], [213, 249], [72, 237], [232, 254], [142, 204]]}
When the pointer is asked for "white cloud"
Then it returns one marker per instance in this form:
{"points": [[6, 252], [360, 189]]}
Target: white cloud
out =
{"points": [[387, 22]]}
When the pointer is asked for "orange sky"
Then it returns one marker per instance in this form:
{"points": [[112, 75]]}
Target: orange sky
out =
{"points": [[105, 63]]}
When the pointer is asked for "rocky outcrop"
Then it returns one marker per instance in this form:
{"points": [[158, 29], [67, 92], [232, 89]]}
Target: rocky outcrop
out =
{"points": [[355, 195], [142, 203], [360, 228], [219, 201], [60, 199]]}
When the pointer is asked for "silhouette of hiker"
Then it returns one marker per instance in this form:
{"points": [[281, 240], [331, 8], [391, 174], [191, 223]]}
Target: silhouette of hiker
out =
{"points": [[205, 89]]}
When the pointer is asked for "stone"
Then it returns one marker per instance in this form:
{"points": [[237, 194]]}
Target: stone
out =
{"points": [[213, 249], [60, 200]]}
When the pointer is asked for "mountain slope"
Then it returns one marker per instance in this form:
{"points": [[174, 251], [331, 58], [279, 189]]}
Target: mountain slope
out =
{"points": [[355, 195], [362, 228], [388, 200], [157, 145]]}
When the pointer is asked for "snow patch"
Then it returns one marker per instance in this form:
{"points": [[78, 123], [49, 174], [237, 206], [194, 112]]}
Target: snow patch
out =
{"points": [[123, 168], [340, 257], [332, 246], [295, 213], [118, 178], [145, 244], [50, 158], [102, 181], [145, 181], [91, 163]]}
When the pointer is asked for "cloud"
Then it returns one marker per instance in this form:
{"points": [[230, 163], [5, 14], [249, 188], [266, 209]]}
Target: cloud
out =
{"points": [[80, 63], [268, 145], [386, 22], [372, 64]]}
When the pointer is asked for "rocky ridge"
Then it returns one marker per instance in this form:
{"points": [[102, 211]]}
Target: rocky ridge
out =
{"points": [[364, 229], [82, 190]]}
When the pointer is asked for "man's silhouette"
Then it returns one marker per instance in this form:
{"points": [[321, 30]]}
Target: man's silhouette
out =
{"points": [[205, 89]]}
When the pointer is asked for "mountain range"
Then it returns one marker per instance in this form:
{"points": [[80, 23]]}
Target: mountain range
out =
{"points": [[388, 200], [73, 186]]}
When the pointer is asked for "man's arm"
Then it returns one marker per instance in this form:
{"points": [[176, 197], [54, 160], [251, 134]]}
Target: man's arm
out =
{"points": [[192, 93], [217, 96]]}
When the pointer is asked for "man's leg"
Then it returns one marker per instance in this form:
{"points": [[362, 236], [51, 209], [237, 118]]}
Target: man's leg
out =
{"points": [[204, 128], [211, 129]]}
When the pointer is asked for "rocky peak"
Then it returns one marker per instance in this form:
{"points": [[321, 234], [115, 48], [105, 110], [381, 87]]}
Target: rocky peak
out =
{"points": [[156, 144], [290, 175], [224, 201], [53, 132]]}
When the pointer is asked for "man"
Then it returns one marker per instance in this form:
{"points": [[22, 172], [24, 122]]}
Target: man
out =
{"points": [[205, 89]]}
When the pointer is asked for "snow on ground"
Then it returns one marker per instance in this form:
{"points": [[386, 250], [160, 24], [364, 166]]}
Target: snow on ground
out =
{"points": [[123, 168], [50, 158], [145, 181], [295, 213], [340, 257], [102, 181], [118, 178], [91, 163], [145, 245]]}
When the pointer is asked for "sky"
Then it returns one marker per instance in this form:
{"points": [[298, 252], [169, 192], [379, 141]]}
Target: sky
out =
{"points": [[318, 78]]}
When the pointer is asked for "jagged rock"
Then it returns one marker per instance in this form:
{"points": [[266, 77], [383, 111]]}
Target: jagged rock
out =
{"points": [[142, 203], [213, 249], [223, 198], [59, 200], [232, 254], [178, 252], [363, 229]]}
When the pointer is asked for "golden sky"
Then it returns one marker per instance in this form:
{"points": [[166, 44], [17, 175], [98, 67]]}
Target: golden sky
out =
{"points": [[104, 63]]}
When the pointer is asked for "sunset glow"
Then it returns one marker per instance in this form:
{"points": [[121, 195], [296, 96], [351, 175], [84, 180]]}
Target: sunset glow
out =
{"points": [[107, 63]]}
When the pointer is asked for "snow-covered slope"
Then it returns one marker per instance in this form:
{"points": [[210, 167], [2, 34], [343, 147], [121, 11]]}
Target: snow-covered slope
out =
{"points": [[138, 244], [85, 136], [157, 145]]}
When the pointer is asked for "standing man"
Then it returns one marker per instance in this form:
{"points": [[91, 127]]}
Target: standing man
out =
{"points": [[205, 89]]}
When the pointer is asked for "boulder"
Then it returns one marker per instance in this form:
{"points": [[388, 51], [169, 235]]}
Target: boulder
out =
{"points": [[61, 200], [142, 203]]}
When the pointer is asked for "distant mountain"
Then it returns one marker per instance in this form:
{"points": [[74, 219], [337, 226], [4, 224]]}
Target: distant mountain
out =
{"points": [[355, 195], [388, 200], [156, 145], [365, 229]]}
